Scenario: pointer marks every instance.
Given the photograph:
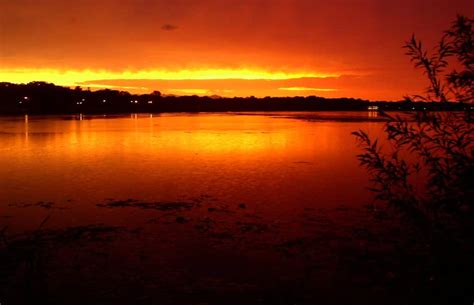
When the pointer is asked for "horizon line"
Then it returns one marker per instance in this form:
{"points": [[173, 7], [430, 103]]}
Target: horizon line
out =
{"points": [[197, 91]]}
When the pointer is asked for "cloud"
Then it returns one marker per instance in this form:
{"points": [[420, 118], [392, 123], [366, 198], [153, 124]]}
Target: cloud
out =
{"points": [[169, 27]]}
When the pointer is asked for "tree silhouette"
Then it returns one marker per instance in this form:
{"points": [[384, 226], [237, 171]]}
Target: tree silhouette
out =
{"points": [[435, 148]]}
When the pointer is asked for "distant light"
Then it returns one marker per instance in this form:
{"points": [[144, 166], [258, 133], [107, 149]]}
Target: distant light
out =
{"points": [[25, 98], [104, 101], [136, 102], [373, 107], [21, 102], [83, 99], [150, 102]]}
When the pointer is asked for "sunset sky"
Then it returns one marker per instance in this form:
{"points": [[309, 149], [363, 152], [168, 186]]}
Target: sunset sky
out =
{"points": [[222, 47]]}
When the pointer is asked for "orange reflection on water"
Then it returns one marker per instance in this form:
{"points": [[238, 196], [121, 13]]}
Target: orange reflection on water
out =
{"points": [[373, 114], [275, 163]]}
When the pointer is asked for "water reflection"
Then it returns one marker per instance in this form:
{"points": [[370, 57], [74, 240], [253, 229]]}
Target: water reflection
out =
{"points": [[26, 128], [373, 114], [277, 163]]}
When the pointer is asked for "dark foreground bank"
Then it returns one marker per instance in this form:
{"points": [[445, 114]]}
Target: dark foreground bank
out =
{"points": [[201, 251]]}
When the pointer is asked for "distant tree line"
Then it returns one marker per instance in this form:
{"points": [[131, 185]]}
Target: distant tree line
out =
{"points": [[46, 98]]}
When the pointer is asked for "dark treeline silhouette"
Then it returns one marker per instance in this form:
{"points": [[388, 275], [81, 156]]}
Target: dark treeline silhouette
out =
{"points": [[46, 98]]}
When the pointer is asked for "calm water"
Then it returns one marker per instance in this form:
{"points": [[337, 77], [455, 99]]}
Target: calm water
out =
{"points": [[277, 163]]}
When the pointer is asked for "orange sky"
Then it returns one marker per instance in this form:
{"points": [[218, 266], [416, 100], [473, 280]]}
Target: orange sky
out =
{"points": [[226, 47]]}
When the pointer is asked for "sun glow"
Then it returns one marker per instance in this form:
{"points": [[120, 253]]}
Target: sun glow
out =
{"points": [[76, 77], [188, 91], [308, 89]]}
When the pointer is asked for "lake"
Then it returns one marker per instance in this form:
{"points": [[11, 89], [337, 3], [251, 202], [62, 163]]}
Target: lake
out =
{"points": [[228, 208], [277, 162]]}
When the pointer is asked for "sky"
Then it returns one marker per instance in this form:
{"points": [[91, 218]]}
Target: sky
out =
{"points": [[336, 48]]}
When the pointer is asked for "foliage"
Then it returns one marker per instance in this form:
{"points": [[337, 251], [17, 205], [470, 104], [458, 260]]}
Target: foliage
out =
{"points": [[456, 48], [425, 168]]}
